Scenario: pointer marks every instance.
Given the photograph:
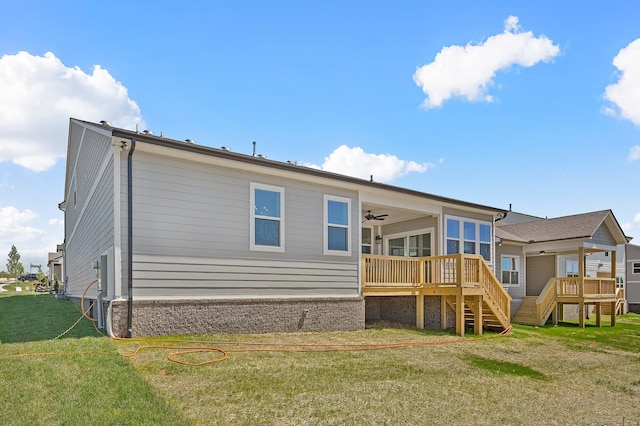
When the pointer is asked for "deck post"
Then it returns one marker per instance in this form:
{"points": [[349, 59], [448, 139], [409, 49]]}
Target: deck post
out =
{"points": [[443, 312], [613, 265], [598, 314], [613, 314], [460, 314], [581, 313], [477, 315], [555, 313], [420, 312]]}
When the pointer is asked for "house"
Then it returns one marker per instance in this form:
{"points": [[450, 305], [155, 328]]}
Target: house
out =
{"points": [[561, 266], [184, 238], [633, 277], [55, 264]]}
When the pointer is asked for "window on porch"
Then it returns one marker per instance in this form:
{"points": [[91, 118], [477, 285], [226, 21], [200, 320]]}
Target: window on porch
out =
{"points": [[469, 237]]}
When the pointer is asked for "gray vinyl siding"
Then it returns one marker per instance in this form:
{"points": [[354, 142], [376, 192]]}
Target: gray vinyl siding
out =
{"points": [[415, 224], [447, 211], [92, 217], [603, 236], [632, 280], [539, 270], [157, 276], [193, 210], [516, 292]]}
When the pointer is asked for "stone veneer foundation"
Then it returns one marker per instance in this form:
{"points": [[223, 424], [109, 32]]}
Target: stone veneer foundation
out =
{"points": [[163, 317]]}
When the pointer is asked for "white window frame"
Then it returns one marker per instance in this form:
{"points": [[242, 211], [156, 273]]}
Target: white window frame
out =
{"points": [[252, 221], [461, 240], [572, 262], [371, 245], [406, 235], [635, 267], [519, 270], [326, 224]]}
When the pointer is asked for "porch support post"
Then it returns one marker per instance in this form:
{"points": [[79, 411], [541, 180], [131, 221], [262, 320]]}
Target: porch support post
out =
{"points": [[581, 313], [477, 315], [555, 313], [613, 267], [420, 311], [460, 314], [443, 312], [598, 314], [613, 314]]}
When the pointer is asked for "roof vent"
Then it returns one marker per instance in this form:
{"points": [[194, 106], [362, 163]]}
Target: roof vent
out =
{"points": [[105, 123], [264, 157], [189, 141], [147, 132], [225, 148], [292, 162]]}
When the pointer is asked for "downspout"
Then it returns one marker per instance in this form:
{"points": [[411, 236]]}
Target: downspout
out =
{"points": [[130, 238]]}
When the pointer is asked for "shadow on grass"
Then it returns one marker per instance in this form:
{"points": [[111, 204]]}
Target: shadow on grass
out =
{"points": [[29, 318]]}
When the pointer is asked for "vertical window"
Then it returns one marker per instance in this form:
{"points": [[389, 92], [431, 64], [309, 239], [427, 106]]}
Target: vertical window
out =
{"points": [[337, 228], [453, 236], [367, 241], [267, 218], [510, 270], [469, 237], [572, 268]]}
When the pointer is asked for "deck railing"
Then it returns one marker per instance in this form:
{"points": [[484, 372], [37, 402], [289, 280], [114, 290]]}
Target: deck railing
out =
{"points": [[557, 287], [458, 270]]}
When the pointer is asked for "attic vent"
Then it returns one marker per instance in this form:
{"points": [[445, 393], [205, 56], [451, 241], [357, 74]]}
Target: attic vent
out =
{"points": [[105, 123], [147, 132], [225, 148], [189, 141]]}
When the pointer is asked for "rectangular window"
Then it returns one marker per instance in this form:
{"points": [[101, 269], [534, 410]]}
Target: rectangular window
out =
{"points": [[510, 270], [367, 241], [337, 225], [267, 218], [635, 267], [468, 236], [572, 268]]}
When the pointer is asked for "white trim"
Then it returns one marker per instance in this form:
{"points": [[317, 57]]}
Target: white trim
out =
{"points": [[252, 218], [117, 225], [519, 270], [325, 222]]}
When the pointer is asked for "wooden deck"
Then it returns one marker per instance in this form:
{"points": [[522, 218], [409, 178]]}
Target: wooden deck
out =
{"points": [[464, 282], [581, 291]]}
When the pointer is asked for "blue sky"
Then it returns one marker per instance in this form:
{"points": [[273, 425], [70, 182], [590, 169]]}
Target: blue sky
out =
{"points": [[489, 102]]}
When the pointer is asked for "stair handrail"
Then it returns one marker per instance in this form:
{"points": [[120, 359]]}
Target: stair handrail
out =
{"points": [[546, 300], [496, 296]]}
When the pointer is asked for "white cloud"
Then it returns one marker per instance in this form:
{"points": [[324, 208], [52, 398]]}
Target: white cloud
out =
{"points": [[636, 219], [625, 94], [14, 228], [58, 222], [358, 163], [38, 94], [468, 71], [634, 153]]}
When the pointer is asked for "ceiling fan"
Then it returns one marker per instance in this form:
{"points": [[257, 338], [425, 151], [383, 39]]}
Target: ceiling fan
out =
{"points": [[371, 216]]}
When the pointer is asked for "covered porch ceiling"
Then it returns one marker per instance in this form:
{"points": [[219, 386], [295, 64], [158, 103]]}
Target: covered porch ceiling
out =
{"points": [[393, 214]]}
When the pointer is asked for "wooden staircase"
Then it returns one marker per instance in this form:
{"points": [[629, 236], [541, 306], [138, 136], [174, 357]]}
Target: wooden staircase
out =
{"points": [[527, 312], [489, 318]]}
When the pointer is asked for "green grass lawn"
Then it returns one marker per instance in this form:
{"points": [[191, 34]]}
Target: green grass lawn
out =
{"points": [[535, 375]]}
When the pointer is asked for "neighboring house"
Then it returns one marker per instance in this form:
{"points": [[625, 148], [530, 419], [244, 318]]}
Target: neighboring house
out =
{"points": [[192, 239], [633, 277], [571, 261], [55, 264]]}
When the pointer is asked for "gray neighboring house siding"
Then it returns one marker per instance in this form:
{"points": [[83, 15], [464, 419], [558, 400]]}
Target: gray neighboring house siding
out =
{"points": [[632, 279]]}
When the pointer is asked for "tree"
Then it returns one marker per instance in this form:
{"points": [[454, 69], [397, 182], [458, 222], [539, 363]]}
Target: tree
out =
{"points": [[13, 263]]}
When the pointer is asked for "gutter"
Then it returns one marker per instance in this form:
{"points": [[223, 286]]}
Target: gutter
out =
{"points": [[130, 238]]}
